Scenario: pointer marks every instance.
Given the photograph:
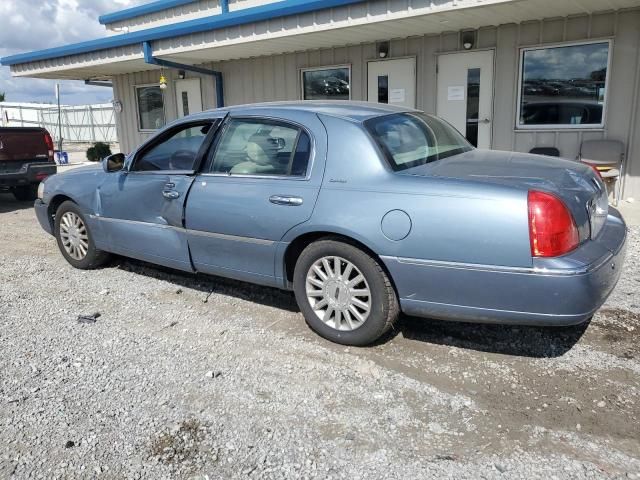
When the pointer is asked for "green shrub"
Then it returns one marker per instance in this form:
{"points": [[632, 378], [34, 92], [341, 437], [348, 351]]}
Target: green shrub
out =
{"points": [[98, 152]]}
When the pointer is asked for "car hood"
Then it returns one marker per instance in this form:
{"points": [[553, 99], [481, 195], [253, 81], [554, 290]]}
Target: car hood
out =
{"points": [[575, 183]]}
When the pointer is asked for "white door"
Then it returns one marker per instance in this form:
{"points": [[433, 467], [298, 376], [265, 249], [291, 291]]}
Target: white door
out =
{"points": [[465, 94], [188, 96], [393, 82]]}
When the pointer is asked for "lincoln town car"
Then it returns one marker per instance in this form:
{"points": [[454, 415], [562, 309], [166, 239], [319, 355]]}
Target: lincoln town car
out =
{"points": [[364, 211]]}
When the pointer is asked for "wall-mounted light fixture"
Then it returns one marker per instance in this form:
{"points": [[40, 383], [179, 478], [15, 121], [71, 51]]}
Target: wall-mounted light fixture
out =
{"points": [[468, 39], [117, 106], [383, 49], [162, 81], [181, 74]]}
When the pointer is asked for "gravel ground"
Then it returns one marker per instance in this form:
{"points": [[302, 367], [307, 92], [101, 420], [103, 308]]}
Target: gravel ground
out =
{"points": [[195, 377]]}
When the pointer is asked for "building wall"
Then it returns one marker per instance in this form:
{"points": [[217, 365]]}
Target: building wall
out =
{"points": [[277, 77]]}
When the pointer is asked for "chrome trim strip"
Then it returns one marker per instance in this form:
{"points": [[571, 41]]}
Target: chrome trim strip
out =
{"points": [[503, 269], [233, 238], [200, 233], [130, 222]]}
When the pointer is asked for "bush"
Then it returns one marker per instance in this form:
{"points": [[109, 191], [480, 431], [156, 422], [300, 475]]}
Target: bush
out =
{"points": [[98, 152]]}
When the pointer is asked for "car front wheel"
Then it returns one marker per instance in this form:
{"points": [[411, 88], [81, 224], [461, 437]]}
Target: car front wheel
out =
{"points": [[75, 240], [344, 293]]}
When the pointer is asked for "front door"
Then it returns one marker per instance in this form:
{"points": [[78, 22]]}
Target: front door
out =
{"points": [[141, 208], [188, 96], [465, 94], [262, 180], [393, 82]]}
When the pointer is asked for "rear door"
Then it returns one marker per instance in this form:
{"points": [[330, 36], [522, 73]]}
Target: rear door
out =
{"points": [[142, 207], [261, 180]]}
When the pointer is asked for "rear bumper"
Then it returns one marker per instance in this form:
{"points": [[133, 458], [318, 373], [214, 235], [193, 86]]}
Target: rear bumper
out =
{"points": [[42, 214], [30, 173], [563, 291]]}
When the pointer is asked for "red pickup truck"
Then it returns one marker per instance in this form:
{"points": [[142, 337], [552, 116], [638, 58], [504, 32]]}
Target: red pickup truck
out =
{"points": [[26, 158]]}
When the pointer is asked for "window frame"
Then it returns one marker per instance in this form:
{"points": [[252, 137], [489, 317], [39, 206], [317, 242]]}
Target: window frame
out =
{"points": [[571, 127], [325, 67], [167, 134], [222, 129], [164, 107]]}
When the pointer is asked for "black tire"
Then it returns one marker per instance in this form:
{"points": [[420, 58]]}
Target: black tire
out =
{"points": [[384, 307], [26, 193], [93, 258]]}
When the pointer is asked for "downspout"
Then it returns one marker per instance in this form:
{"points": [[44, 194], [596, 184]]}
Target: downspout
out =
{"points": [[224, 6], [151, 60]]}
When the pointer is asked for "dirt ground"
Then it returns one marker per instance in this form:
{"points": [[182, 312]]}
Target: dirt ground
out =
{"points": [[199, 377]]}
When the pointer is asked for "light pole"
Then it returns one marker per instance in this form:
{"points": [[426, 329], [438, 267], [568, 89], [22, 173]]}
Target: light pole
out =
{"points": [[59, 118]]}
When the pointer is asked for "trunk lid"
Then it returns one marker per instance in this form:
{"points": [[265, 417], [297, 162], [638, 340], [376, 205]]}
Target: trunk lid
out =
{"points": [[576, 184]]}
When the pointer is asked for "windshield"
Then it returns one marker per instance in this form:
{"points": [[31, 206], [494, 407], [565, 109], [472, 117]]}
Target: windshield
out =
{"points": [[413, 139]]}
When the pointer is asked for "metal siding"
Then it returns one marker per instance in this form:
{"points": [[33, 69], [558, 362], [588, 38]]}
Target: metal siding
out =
{"points": [[277, 78]]}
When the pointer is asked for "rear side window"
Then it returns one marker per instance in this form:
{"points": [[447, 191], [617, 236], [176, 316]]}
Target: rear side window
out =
{"points": [[413, 139], [178, 152], [262, 147]]}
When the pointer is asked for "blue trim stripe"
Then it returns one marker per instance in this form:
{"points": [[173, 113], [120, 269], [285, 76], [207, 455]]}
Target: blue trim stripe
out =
{"points": [[140, 10], [215, 22]]}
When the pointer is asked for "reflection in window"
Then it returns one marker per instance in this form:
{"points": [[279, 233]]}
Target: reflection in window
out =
{"points": [[178, 152], [260, 147], [473, 105], [564, 86], [383, 89], [326, 84], [150, 107]]}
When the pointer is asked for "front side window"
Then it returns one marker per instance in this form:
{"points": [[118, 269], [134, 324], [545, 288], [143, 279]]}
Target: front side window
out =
{"points": [[412, 139], [564, 86], [150, 107], [262, 147], [178, 152], [332, 83]]}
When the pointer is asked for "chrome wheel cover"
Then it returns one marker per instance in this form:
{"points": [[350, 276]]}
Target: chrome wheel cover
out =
{"points": [[74, 237], [338, 293]]}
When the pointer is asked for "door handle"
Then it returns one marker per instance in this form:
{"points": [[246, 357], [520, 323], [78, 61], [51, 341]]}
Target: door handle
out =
{"points": [[286, 200], [170, 194], [485, 120]]}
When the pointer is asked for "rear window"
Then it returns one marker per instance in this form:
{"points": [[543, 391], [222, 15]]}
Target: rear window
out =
{"points": [[412, 139]]}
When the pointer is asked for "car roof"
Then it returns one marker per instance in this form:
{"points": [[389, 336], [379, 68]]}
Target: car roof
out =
{"points": [[354, 111]]}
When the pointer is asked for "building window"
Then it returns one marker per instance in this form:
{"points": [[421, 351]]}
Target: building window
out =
{"points": [[563, 86], [150, 107], [326, 83]]}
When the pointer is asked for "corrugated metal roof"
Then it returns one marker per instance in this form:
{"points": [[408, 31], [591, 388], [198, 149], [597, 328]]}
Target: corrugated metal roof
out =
{"points": [[140, 10], [214, 22]]}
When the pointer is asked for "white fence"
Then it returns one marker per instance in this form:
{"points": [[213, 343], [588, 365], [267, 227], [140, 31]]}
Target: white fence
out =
{"points": [[82, 123]]}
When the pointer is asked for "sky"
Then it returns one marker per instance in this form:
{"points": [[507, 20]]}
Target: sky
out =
{"points": [[29, 25]]}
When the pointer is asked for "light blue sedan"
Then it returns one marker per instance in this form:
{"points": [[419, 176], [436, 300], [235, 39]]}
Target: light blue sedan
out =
{"points": [[362, 210]]}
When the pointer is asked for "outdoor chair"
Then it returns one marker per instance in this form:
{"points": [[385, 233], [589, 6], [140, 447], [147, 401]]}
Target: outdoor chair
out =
{"points": [[607, 156]]}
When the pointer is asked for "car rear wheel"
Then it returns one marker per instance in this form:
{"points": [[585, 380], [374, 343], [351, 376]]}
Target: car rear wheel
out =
{"points": [[75, 240], [344, 293], [26, 193]]}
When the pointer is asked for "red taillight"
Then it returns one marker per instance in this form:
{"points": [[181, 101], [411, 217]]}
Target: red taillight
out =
{"points": [[41, 176], [49, 141], [552, 230]]}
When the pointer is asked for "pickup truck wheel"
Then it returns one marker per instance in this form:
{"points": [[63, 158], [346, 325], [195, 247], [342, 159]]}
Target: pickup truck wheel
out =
{"points": [[26, 193], [344, 294], [75, 240]]}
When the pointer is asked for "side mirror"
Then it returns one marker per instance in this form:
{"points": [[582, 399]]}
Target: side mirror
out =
{"points": [[113, 163]]}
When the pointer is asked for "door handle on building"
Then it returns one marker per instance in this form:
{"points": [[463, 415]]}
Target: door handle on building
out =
{"points": [[485, 120], [285, 200]]}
